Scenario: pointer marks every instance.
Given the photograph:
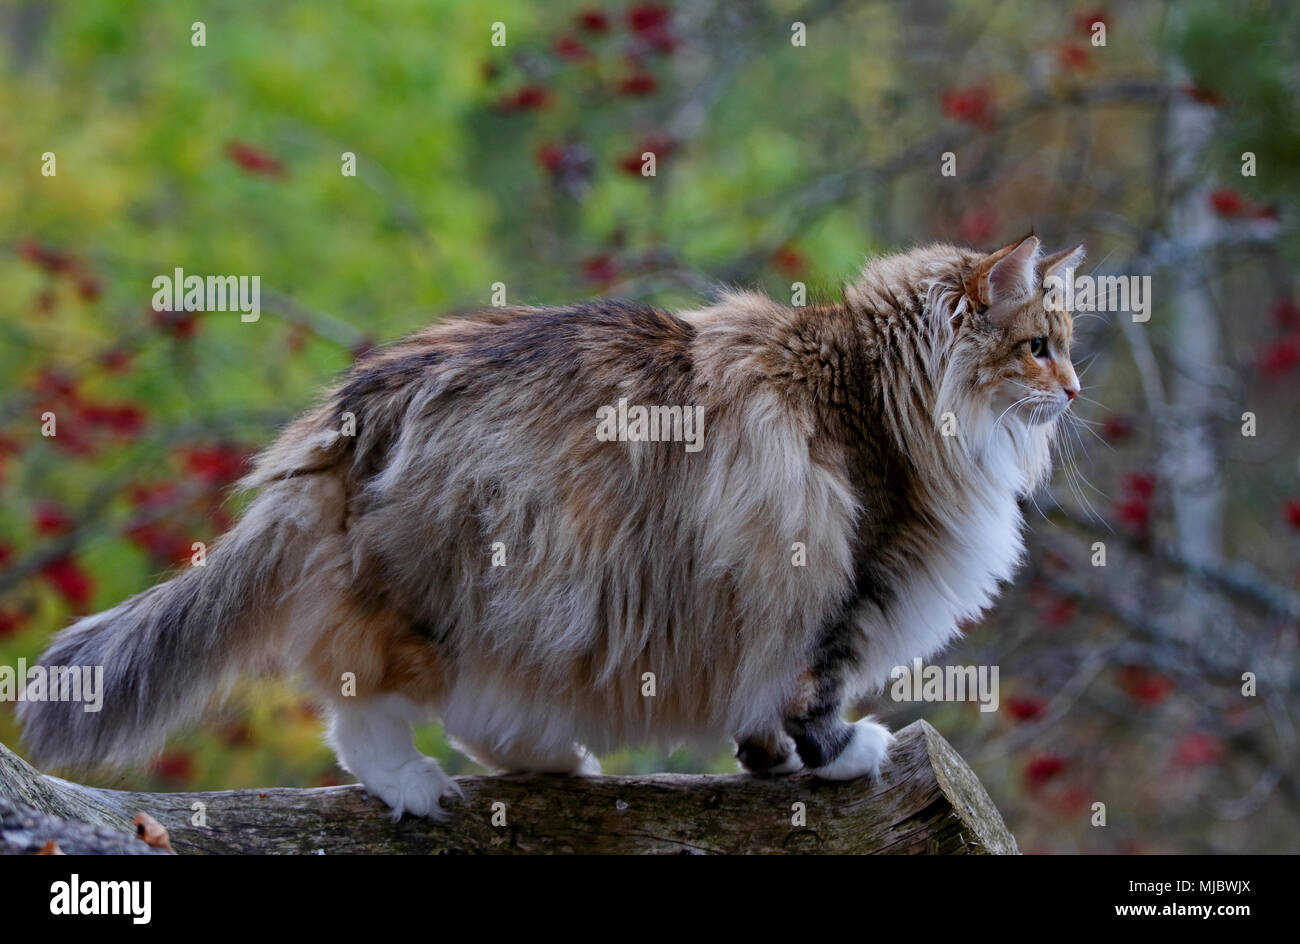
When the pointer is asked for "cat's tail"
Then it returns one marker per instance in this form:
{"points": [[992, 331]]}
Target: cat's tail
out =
{"points": [[164, 653]]}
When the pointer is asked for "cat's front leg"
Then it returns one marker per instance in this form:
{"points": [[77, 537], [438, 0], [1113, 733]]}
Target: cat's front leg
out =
{"points": [[830, 747], [844, 751]]}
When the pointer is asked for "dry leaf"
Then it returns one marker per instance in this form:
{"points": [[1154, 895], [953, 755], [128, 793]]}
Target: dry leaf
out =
{"points": [[152, 832], [51, 848]]}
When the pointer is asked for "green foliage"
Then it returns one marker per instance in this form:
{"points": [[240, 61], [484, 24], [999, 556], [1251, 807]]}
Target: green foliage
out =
{"points": [[1262, 42]]}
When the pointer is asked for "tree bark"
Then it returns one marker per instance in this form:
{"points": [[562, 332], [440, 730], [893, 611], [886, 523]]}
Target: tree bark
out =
{"points": [[927, 801]]}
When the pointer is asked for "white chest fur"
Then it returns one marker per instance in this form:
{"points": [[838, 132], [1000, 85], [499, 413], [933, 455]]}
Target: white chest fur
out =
{"points": [[956, 580]]}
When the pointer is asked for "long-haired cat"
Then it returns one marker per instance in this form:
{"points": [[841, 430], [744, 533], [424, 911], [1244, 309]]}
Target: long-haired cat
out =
{"points": [[455, 531]]}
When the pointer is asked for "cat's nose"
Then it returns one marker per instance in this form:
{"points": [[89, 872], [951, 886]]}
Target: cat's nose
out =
{"points": [[1071, 392]]}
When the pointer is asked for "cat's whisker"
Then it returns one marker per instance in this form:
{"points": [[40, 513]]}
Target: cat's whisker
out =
{"points": [[1078, 473], [1086, 365], [1079, 419], [1033, 499], [996, 422], [1092, 401], [1078, 480], [1071, 481], [1088, 425], [1070, 468]]}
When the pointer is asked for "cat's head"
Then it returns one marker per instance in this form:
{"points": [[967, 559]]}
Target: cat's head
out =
{"points": [[1013, 344]]}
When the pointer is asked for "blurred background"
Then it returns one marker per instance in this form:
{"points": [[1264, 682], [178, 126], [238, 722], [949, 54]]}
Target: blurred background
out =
{"points": [[777, 162]]}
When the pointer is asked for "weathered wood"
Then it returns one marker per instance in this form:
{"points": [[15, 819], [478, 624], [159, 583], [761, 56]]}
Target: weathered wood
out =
{"points": [[25, 831], [928, 801]]}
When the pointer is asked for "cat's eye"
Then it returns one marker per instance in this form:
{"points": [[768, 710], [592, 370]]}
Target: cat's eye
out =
{"points": [[1038, 347]]}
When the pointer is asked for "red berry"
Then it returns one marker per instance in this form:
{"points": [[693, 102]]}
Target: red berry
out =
{"points": [[1142, 484], [54, 384], [1280, 357], [1227, 202], [1145, 686], [528, 98], [1135, 512], [175, 766], [11, 622], [1083, 21], [125, 419], [551, 157], [51, 520], [181, 325], [1059, 613], [972, 105], [600, 270], [567, 47], [789, 261], [1117, 427], [978, 225], [71, 582], [87, 286], [1072, 56], [1203, 95], [643, 17], [154, 496], [593, 21], [638, 84], [1025, 709], [254, 160], [1291, 509], [1043, 768], [51, 260], [660, 146], [1198, 749], [217, 465], [661, 40], [116, 361]]}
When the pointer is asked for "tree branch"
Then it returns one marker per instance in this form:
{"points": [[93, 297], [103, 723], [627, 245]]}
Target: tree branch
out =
{"points": [[928, 801]]}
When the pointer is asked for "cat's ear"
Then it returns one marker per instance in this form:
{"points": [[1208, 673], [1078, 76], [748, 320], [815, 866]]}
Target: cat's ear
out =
{"points": [[1006, 275], [1061, 264]]}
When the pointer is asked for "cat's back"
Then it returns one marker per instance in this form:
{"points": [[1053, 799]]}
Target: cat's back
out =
{"points": [[521, 358]]}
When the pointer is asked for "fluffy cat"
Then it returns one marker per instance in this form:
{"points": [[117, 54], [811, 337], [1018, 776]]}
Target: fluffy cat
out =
{"points": [[449, 528]]}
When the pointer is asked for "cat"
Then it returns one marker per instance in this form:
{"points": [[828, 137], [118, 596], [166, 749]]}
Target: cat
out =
{"points": [[447, 534]]}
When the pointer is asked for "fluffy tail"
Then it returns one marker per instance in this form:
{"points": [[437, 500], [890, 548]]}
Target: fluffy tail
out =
{"points": [[165, 652]]}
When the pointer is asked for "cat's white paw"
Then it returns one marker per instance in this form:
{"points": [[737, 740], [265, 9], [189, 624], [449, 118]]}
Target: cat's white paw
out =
{"points": [[864, 755], [416, 787]]}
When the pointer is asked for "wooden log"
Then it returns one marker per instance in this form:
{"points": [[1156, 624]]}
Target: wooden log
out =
{"points": [[927, 801]]}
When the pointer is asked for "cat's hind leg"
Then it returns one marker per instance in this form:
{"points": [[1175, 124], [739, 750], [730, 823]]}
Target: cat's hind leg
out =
{"points": [[373, 740], [770, 753]]}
